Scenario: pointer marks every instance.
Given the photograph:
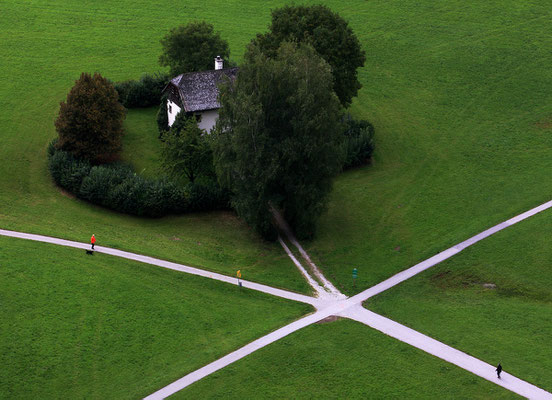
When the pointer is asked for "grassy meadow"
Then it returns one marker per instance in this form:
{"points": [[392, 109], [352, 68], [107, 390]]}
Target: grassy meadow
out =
{"points": [[45, 46], [76, 326], [510, 324], [460, 93], [141, 146], [342, 360]]}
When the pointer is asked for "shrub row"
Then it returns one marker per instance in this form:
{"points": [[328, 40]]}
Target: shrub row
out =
{"points": [[359, 142], [145, 92], [117, 187]]}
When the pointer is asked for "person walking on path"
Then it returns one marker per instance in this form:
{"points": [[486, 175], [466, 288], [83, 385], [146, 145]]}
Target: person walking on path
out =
{"points": [[93, 241], [498, 370]]}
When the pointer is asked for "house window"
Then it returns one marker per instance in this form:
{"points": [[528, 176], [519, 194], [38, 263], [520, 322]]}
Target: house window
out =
{"points": [[170, 109], [198, 118]]}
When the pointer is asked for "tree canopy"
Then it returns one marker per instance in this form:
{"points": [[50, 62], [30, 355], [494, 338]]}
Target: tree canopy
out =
{"points": [[192, 47], [90, 121], [186, 150], [328, 33], [278, 137]]}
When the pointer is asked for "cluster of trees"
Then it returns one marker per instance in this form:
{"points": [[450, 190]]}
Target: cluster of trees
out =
{"points": [[281, 134]]}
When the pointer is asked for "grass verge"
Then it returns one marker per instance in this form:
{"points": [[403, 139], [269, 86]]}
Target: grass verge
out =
{"points": [[76, 326], [492, 301], [342, 360]]}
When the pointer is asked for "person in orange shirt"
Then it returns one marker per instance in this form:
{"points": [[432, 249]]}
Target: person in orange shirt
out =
{"points": [[93, 241]]}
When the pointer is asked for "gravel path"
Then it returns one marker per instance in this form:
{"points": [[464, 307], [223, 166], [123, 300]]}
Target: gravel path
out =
{"points": [[169, 265], [335, 304], [447, 353]]}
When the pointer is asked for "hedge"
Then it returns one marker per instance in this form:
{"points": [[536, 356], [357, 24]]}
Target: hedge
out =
{"points": [[145, 92], [117, 187]]}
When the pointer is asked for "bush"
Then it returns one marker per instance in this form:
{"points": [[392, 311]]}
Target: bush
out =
{"points": [[359, 142], [145, 92], [90, 121], [205, 196], [118, 188], [163, 117]]}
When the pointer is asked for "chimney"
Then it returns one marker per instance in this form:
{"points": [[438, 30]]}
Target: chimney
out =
{"points": [[219, 62]]}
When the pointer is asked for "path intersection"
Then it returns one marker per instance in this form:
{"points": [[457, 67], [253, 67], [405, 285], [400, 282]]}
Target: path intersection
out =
{"points": [[330, 302]]}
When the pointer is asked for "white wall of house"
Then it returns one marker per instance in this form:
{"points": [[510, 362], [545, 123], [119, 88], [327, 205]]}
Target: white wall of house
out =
{"points": [[172, 111], [208, 120]]}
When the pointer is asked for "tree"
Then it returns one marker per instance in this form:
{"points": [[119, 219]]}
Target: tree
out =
{"points": [[330, 36], [90, 122], [192, 48], [186, 150], [277, 142]]}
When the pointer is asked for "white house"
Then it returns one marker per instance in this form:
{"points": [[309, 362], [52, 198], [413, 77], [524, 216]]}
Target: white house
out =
{"points": [[197, 93]]}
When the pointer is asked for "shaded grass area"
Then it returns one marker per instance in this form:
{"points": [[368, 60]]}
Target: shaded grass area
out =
{"points": [[510, 323], [344, 360], [460, 94], [78, 326], [141, 144]]}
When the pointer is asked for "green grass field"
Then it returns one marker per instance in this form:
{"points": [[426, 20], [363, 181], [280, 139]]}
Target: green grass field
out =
{"points": [[342, 360], [76, 326], [141, 145], [511, 324], [461, 97], [460, 94], [45, 46]]}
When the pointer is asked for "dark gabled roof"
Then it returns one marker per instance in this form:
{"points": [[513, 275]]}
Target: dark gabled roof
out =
{"points": [[198, 90]]}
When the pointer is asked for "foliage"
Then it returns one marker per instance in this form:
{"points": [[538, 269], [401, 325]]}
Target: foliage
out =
{"points": [[328, 33], [186, 151], [117, 187], [278, 138], [90, 122], [192, 47], [359, 142], [162, 117], [145, 92]]}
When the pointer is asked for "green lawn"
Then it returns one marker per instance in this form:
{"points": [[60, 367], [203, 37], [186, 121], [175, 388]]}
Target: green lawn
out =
{"points": [[78, 326], [342, 360], [141, 145], [45, 46], [460, 93], [511, 324]]}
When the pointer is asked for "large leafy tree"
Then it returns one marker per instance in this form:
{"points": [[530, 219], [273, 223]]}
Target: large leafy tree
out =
{"points": [[90, 121], [186, 151], [328, 33], [278, 138], [192, 47]]}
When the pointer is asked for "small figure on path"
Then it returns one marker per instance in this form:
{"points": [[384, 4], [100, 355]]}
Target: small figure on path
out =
{"points": [[498, 370], [93, 241]]}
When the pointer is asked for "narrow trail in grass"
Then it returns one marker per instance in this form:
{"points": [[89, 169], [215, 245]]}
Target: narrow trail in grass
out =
{"points": [[334, 305], [327, 291]]}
